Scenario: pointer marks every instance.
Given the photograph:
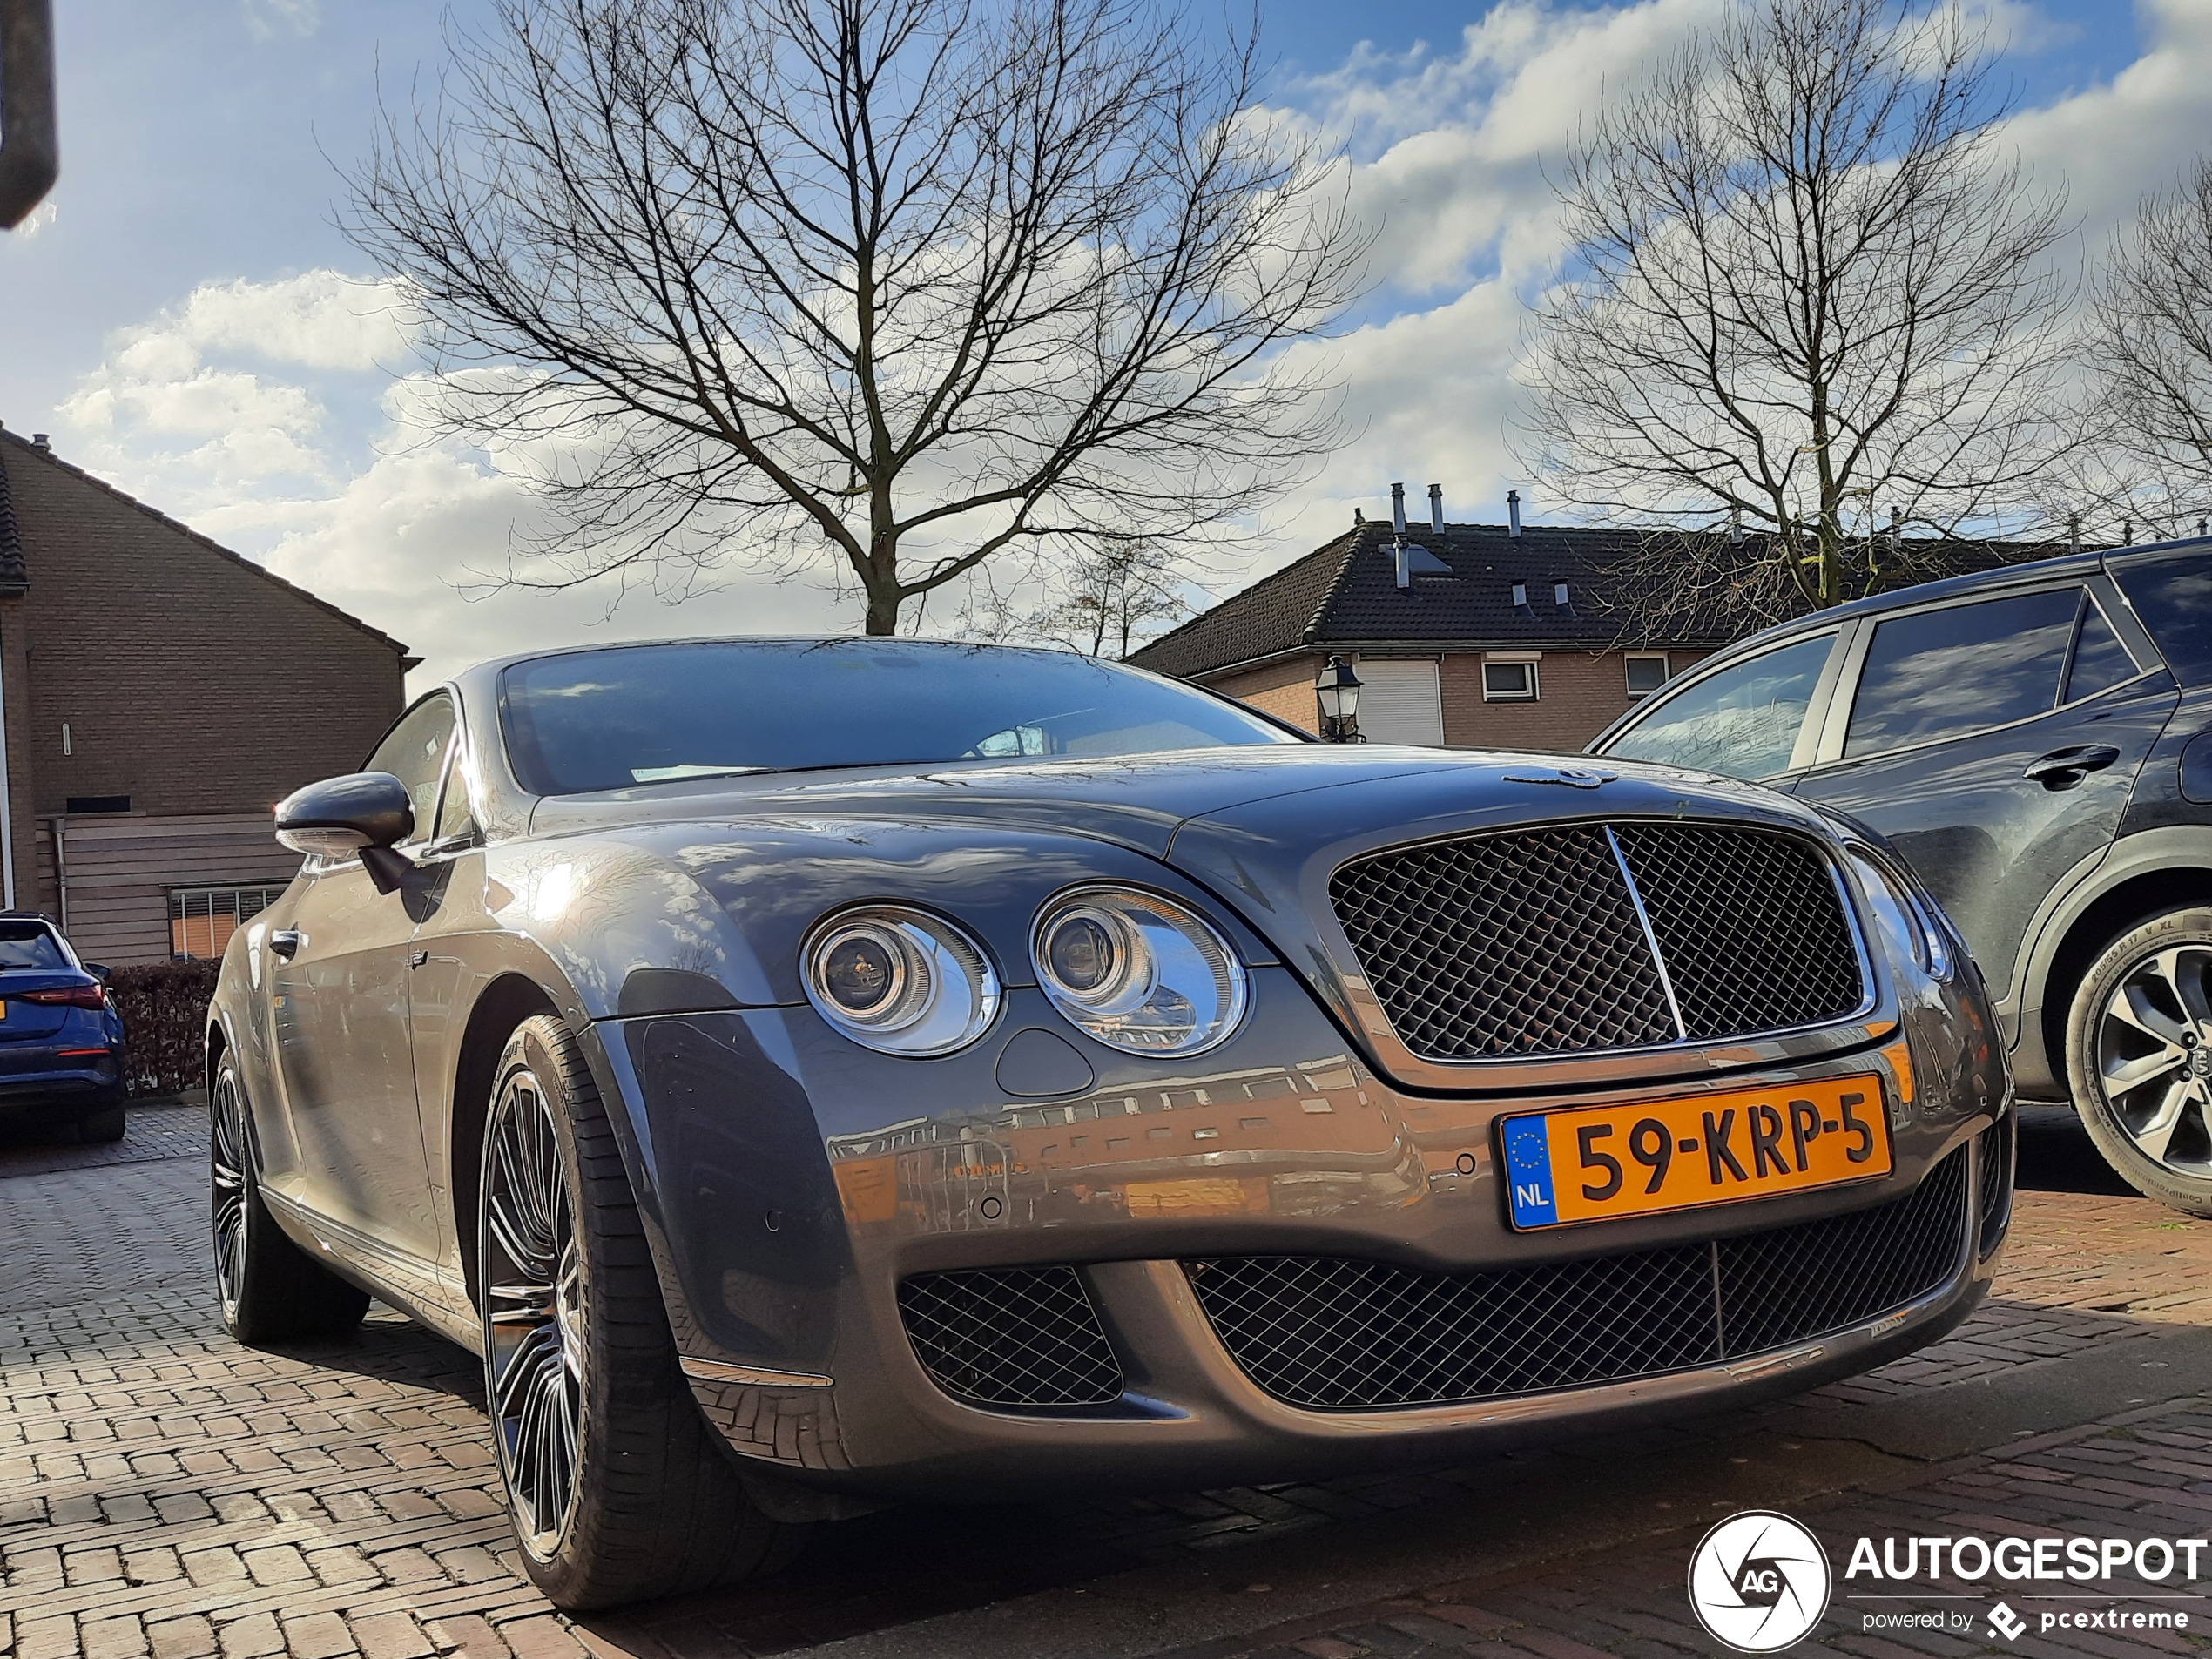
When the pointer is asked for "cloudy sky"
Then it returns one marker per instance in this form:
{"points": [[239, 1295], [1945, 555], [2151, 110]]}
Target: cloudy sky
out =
{"points": [[185, 320]]}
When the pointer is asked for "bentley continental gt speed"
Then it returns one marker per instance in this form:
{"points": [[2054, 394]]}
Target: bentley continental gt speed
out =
{"points": [[814, 1074]]}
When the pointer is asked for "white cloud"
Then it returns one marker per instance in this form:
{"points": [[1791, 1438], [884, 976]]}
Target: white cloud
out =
{"points": [[279, 19]]}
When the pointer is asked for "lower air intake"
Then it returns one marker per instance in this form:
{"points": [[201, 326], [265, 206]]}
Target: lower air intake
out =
{"points": [[1010, 1337], [1993, 1152], [1329, 1333]]}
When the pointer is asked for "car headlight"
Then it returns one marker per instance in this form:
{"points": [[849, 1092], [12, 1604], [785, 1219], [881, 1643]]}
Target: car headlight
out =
{"points": [[1907, 920], [900, 981], [1137, 972]]}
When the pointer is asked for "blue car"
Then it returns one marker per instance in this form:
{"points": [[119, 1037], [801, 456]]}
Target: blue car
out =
{"points": [[61, 1040]]}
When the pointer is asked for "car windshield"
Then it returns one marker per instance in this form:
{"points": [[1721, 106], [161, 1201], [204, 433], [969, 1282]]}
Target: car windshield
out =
{"points": [[30, 944], [645, 714]]}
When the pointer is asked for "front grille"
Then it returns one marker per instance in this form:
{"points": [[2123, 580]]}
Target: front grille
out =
{"points": [[1531, 943], [1993, 1151], [1329, 1333], [1010, 1337]]}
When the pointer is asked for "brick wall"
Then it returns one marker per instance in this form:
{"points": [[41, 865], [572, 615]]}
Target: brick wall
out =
{"points": [[1284, 689], [1580, 693], [191, 681]]}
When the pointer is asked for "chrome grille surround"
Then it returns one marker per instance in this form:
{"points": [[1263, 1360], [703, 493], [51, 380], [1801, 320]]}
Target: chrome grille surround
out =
{"points": [[1327, 1333], [1597, 938]]}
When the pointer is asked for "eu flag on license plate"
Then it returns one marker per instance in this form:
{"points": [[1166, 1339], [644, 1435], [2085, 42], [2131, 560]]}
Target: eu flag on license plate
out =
{"points": [[1528, 1173]]}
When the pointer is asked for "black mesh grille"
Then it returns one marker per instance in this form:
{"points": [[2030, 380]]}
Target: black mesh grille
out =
{"points": [[1527, 944], [1783, 1287], [1749, 925], [1993, 1151], [1505, 945], [1325, 1332], [1011, 1336]]}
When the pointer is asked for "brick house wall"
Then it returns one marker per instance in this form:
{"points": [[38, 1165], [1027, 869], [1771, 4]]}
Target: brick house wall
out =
{"points": [[190, 680], [1282, 689]]}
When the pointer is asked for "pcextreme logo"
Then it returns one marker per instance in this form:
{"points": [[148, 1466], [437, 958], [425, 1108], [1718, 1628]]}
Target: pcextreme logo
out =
{"points": [[1758, 1582]]}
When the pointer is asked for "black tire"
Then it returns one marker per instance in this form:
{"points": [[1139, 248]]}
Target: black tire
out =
{"points": [[104, 1125], [580, 1365], [2139, 1057], [272, 1290]]}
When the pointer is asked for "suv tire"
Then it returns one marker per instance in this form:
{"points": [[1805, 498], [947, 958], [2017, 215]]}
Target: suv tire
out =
{"points": [[616, 1488], [272, 1290], [2139, 1057]]}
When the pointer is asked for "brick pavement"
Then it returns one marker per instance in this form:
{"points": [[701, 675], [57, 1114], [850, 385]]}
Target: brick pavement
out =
{"points": [[165, 1494]]}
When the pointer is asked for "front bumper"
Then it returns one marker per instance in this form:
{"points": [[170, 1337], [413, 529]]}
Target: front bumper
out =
{"points": [[792, 1182]]}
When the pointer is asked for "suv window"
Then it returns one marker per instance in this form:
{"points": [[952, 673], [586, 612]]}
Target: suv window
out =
{"points": [[414, 751], [30, 944], [2172, 595], [2100, 661], [1939, 673], [1742, 720]]}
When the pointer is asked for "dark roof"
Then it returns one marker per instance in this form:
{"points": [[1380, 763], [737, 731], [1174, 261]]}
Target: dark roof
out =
{"points": [[8, 538], [1345, 597], [15, 575]]}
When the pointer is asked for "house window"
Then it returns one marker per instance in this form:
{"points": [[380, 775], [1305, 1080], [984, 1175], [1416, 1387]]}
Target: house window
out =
{"points": [[1646, 675], [1512, 680], [202, 920]]}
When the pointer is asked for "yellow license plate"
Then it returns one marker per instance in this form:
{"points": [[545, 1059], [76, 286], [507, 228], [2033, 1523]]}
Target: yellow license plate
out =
{"points": [[1651, 1155]]}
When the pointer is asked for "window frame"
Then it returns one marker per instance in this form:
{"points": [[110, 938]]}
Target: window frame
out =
{"points": [[175, 898], [1837, 726], [422, 832], [1531, 661], [1666, 672]]}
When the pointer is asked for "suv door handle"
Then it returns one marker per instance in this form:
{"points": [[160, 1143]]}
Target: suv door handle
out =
{"points": [[285, 943], [2063, 768]]}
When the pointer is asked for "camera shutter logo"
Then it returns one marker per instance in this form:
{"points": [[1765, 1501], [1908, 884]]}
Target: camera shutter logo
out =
{"points": [[1758, 1582]]}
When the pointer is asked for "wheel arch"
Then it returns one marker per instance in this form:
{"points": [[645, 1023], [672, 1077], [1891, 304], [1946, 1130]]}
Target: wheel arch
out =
{"points": [[504, 1003]]}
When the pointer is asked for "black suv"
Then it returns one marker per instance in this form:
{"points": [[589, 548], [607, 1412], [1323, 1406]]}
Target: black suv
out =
{"points": [[2037, 742]]}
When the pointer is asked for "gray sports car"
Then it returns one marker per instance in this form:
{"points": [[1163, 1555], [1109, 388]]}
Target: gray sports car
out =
{"points": [[816, 1073]]}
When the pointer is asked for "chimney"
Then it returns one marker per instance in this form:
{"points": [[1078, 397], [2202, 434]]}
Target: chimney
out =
{"points": [[1513, 513], [1398, 508], [1357, 518], [2201, 523], [38, 441], [2127, 532], [2073, 532], [1402, 554], [1735, 527], [1897, 527], [1436, 508]]}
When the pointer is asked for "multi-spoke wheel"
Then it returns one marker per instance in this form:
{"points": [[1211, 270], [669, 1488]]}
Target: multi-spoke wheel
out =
{"points": [[535, 1313], [617, 1489], [271, 1289], [2139, 1054]]}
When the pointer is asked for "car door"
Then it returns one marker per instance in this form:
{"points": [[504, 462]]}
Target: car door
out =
{"points": [[343, 1050], [1994, 740]]}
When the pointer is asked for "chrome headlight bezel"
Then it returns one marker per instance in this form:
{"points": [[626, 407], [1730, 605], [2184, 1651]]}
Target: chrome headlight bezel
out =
{"points": [[1165, 954], [1904, 916], [943, 993]]}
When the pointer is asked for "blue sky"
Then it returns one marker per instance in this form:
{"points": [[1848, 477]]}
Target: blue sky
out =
{"points": [[177, 318]]}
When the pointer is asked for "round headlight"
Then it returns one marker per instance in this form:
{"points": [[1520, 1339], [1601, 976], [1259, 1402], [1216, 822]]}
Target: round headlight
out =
{"points": [[1137, 972], [900, 981]]}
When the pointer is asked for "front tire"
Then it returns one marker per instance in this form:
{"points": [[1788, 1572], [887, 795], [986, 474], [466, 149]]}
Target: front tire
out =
{"points": [[617, 1489], [2139, 1057], [272, 1290], [103, 1126]]}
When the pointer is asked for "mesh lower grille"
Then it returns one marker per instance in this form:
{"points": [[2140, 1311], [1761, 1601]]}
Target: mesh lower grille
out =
{"points": [[1993, 1152], [1326, 1333], [1525, 944], [1011, 1336]]}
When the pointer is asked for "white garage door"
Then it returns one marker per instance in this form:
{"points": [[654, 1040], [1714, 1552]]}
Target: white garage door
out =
{"points": [[1399, 701]]}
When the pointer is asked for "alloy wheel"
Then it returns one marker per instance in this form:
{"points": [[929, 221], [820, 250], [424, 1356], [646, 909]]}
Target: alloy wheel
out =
{"points": [[2154, 1058], [534, 1314], [226, 1178]]}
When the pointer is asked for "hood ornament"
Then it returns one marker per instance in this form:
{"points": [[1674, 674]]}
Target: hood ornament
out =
{"points": [[1573, 777]]}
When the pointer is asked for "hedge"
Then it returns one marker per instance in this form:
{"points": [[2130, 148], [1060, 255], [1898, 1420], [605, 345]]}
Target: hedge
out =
{"points": [[164, 1007]]}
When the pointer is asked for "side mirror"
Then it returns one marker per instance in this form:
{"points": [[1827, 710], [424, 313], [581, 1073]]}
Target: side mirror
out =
{"points": [[363, 813]]}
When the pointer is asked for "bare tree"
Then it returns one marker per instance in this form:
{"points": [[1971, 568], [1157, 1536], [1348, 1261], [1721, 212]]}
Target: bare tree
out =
{"points": [[2150, 352], [1807, 287], [917, 282], [1109, 600]]}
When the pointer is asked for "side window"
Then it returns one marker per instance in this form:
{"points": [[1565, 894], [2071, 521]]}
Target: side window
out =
{"points": [[1741, 721], [2100, 661], [414, 751], [1942, 673], [454, 818]]}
